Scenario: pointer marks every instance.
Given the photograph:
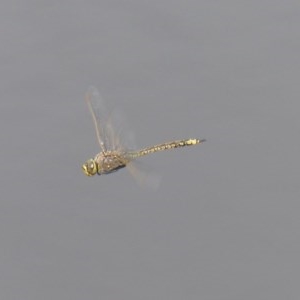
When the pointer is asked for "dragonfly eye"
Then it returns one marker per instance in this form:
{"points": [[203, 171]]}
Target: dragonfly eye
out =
{"points": [[89, 168]]}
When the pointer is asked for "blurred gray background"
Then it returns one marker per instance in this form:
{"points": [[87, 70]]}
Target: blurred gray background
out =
{"points": [[224, 223]]}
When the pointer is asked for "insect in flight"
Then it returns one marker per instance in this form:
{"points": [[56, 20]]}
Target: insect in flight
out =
{"points": [[114, 155]]}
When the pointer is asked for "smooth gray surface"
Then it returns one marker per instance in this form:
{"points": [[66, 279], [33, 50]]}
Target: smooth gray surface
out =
{"points": [[224, 223]]}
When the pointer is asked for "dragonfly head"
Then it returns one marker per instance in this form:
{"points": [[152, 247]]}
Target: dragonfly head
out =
{"points": [[89, 168]]}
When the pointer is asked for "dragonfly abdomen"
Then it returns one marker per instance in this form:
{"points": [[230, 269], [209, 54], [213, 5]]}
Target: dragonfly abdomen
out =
{"points": [[166, 146]]}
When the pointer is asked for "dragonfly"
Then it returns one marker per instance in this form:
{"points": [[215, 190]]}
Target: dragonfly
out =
{"points": [[114, 155]]}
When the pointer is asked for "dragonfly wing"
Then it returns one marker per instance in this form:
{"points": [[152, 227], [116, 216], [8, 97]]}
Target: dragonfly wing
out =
{"points": [[111, 127], [143, 175], [123, 138], [100, 117]]}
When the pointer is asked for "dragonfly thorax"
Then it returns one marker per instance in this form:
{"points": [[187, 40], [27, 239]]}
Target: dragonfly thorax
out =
{"points": [[109, 161]]}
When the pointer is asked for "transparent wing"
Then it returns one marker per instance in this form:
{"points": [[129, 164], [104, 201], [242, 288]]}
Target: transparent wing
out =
{"points": [[99, 114], [111, 128], [143, 175], [124, 139]]}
